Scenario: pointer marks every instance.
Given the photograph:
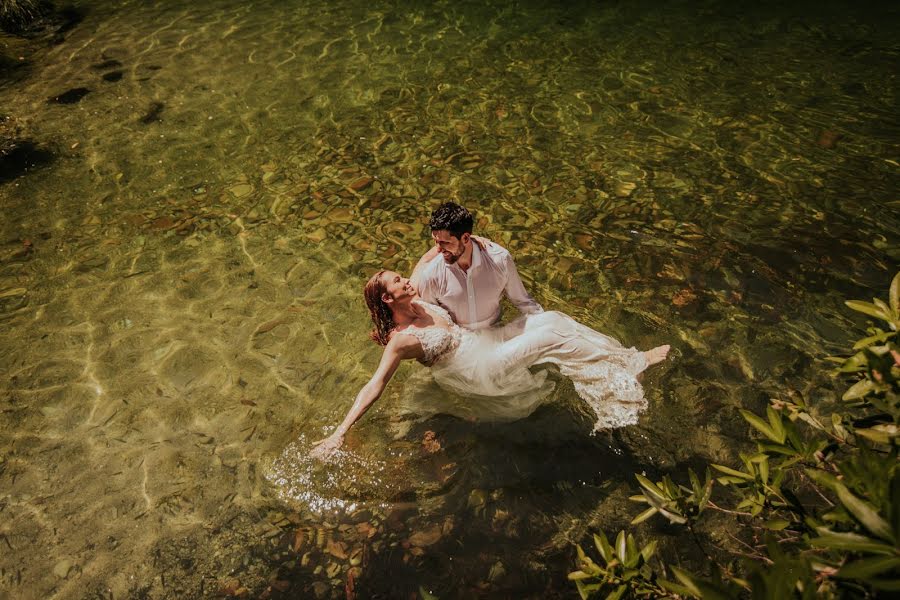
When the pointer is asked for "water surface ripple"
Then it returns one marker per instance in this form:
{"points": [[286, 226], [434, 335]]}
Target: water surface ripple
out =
{"points": [[180, 273]]}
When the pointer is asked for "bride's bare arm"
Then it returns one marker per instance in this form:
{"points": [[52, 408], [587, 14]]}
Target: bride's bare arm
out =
{"points": [[400, 347]]}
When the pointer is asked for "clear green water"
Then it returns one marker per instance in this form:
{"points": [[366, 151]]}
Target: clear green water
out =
{"points": [[180, 288]]}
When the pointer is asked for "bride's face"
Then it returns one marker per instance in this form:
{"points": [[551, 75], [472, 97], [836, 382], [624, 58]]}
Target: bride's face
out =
{"points": [[397, 287]]}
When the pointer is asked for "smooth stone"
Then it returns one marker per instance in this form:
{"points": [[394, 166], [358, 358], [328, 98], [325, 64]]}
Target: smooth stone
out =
{"points": [[624, 188], [426, 537], [62, 568], [240, 190], [361, 184], [318, 235]]}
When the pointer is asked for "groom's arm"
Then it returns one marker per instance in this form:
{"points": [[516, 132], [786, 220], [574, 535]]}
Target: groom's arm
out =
{"points": [[416, 275], [515, 289]]}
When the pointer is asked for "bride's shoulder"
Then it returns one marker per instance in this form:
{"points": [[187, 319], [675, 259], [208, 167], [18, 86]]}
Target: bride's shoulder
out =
{"points": [[405, 342]]}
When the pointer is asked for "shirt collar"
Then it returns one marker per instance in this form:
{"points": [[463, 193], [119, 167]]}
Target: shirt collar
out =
{"points": [[476, 258]]}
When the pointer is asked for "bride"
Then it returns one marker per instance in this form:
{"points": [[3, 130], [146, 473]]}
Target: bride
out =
{"points": [[494, 362]]}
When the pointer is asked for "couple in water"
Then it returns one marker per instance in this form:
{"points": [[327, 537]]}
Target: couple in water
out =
{"points": [[445, 316]]}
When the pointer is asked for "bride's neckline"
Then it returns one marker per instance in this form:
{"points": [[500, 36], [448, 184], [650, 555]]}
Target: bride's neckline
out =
{"points": [[434, 317]]}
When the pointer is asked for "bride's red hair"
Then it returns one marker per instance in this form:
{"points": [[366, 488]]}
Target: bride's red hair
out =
{"points": [[381, 314]]}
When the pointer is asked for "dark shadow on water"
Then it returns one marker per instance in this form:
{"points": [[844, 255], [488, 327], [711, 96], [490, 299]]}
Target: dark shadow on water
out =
{"points": [[24, 157], [72, 96]]}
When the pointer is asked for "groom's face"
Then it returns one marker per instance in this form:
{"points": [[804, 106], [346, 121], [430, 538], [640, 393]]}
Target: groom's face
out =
{"points": [[451, 247]]}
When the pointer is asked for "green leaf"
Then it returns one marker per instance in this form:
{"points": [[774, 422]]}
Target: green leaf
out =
{"points": [[850, 541], [776, 524], [649, 550], [858, 390], [700, 588], [764, 470], [585, 590], [644, 515], [669, 487], [855, 363], [729, 480], [776, 423], [878, 337], [867, 567], [771, 448], [686, 580], [761, 425], [651, 487], [868, 309], [732, 472], [880, 434], [894, 294], [883, 306], [695, 482], [631, 552], [675, 588], [617, 593], [620, 546], [578, 575], [865, 512], [707, 492], [822, 478], [603, 547], [673, 516]]}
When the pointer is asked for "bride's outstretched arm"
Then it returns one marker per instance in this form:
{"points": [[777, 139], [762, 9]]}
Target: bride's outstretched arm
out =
{"points": [[401, 347]]}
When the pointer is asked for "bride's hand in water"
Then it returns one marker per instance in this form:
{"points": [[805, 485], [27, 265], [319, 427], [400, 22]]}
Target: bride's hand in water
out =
{"points": [[323, 449]]}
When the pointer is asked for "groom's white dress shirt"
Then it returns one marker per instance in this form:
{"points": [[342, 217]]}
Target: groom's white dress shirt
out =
{"points": [[473, 297]]}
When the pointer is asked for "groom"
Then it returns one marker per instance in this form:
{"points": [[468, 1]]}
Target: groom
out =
{"points": [[472, 274]]}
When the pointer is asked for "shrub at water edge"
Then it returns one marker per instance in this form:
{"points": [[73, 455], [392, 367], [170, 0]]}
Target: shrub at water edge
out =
{"points": [[816, 507]]}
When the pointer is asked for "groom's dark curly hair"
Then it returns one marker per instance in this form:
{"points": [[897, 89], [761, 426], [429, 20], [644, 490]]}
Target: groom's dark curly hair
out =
{"points": [[453, 218]]}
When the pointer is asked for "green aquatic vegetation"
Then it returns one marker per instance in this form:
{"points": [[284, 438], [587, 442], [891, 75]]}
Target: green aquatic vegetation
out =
{"points": [[815, 509], [15, 15]]}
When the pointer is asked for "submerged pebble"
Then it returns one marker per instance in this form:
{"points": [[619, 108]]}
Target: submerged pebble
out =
{"points": [[62, 568]]}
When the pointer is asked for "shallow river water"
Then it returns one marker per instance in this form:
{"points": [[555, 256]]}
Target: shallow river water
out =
{"points": [[182, 263]]}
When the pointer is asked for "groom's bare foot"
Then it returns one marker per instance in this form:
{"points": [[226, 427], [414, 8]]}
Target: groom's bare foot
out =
{"points": [[656, 355]]}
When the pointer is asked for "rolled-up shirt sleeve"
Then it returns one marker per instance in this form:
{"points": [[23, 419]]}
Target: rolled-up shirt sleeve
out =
{"points": [[515, 289]]}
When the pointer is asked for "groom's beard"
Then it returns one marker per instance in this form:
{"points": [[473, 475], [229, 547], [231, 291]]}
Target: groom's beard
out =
{"points": [[451, 258]]}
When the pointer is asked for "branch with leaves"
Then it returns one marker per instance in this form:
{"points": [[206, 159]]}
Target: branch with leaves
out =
{"points": [[825, 492]]}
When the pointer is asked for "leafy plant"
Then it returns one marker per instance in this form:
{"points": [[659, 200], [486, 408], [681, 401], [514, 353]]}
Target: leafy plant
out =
{"points": [[816, 508]]}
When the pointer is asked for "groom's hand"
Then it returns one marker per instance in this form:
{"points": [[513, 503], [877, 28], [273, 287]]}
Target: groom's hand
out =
{"points": [[483, 243]]}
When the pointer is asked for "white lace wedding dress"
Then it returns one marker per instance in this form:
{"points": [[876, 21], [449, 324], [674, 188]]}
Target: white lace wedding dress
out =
{"points": [[492, 365]]}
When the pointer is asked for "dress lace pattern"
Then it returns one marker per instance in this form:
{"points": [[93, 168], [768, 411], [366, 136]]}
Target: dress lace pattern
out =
{"points": [[437, 342], [489, 368]]}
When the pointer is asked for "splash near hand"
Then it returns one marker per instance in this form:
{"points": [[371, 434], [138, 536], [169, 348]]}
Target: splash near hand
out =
{"points": [[325, 448]]}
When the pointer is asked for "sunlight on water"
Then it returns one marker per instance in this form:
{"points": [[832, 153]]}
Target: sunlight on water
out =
{"points": [[198, 192], [325, 487]]}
